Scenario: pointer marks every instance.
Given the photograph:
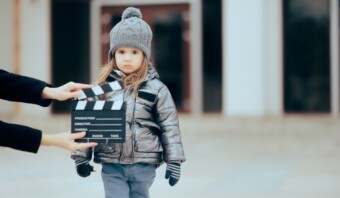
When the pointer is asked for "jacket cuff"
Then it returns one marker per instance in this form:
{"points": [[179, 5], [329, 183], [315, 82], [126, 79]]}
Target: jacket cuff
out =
{"points": [[38, 90]]}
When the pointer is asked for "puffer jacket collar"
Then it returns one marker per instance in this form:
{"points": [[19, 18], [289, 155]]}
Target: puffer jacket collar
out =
{"points": [[115, 75], [152, 73]]}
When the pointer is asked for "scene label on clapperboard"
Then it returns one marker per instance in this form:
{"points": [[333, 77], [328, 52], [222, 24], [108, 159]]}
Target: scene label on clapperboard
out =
{"points": [[103, 121]]}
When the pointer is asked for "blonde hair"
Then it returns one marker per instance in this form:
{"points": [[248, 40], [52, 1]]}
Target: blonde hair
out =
{"points": [[134, 79]]}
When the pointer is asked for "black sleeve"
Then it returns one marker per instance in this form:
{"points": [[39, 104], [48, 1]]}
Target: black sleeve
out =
{"points": [[20, 137], [19, 88]]}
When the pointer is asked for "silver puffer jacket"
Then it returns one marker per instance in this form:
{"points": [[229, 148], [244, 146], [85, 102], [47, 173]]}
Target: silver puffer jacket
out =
{"points": [[152, 127]]}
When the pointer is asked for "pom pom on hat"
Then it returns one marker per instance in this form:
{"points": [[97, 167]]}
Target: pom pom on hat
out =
{"points": [[131, 12]]}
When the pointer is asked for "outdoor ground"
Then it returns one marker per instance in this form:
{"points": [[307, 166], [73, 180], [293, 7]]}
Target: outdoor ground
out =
{"points": [[286, 157]]}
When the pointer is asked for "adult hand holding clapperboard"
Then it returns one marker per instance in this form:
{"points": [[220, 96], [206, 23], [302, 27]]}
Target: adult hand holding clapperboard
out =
{"points": [[19, 88]]}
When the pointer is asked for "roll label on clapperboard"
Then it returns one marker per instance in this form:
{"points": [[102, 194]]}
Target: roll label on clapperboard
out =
{"points": [[103, 121]]}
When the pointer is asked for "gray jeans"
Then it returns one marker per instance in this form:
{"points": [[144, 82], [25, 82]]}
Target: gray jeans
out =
{"points": [[128, 181]]}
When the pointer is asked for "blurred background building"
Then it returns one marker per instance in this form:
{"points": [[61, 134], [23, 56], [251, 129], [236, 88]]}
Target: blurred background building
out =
{"points": [[262, 76], [233, 57]]}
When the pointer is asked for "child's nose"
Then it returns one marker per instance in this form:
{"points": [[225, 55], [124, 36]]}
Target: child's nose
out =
{"points": [[127, 56]]}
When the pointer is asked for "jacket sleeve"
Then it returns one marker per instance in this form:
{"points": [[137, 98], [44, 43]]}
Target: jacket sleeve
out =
{"points": [[19, 88], [168, 121], [20, 137], [85, 154]]}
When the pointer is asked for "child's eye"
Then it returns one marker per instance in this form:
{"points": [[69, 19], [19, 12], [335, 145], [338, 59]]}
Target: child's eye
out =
{"points": [[135, 52], [120, 51]]}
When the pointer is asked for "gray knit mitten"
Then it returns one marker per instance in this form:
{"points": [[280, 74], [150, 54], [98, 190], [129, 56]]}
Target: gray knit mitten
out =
{"points": [[173, 173], [83, 167]]}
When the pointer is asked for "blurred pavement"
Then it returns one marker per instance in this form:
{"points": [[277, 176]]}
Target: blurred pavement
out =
{"points": [[288, 157]]}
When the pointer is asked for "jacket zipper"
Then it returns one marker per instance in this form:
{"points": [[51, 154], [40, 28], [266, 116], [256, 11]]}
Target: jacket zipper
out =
{"points": [[133, 131], [125, 100], [121, 144], [133, 141]]}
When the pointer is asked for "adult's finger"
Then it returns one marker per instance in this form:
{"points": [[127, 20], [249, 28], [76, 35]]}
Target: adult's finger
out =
{"points": [[78, 135], [80, 146], [75, 94], [77, 146], [78, 86]]}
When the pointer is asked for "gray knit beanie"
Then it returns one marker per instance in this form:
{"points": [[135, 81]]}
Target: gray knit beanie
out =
{"points": [[131, 31]]}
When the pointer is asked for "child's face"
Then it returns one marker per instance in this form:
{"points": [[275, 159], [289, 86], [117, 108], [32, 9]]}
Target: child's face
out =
{"points": [[129, 59]]}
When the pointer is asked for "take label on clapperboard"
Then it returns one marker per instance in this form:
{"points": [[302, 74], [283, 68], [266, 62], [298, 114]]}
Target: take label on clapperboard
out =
{"points": [[103, 121]]}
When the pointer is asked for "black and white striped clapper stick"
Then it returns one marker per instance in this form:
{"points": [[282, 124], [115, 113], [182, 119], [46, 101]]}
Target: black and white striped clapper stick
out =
{"points": [[99, 105], [98, 90], [103, 121]]}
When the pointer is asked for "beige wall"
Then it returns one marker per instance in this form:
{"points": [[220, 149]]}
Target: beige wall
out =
{"points": [[6, 46], [34, 46], [252, 62]]}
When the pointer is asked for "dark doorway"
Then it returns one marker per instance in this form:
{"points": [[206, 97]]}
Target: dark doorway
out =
{"points": [[169, 53], [170, 45], [212, 56], [70, 45], [306, 56]]}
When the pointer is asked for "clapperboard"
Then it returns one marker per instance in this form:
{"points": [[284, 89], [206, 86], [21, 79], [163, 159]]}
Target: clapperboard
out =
{"points": [[103, 121]]}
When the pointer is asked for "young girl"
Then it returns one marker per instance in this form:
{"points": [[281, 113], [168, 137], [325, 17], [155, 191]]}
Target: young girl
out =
{"points": [[152, 128]]}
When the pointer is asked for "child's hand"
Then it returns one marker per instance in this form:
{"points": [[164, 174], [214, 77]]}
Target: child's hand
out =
{"points": [[83, 167], [173, 171]]}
